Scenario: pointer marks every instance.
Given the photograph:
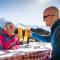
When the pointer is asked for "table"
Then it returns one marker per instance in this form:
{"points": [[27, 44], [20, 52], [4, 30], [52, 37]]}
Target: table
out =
{"points": [[39, 55], [26, 54]]}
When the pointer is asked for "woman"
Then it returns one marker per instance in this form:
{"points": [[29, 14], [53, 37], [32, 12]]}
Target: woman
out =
{"points": [[8, 39]]}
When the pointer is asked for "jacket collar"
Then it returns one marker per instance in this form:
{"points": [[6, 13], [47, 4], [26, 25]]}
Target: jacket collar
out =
{"points": [[55, 25]]}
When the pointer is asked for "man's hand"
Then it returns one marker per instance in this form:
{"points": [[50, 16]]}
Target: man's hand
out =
{"points": [[30, 34]]}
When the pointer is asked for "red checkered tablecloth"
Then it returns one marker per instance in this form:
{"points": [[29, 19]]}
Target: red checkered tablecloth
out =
{"points": [[36, 55]]}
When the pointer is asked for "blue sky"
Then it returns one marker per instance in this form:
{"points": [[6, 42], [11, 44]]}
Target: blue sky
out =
{"points": [[26, 11]]}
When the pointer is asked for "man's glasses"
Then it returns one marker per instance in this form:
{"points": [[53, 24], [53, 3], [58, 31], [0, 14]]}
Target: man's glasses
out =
{"points": [[47, 16]]}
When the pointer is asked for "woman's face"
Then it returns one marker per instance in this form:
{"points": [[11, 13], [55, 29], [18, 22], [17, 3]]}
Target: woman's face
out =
{"points": [[10, 28]]}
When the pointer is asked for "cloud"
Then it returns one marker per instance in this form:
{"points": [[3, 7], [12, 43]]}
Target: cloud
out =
{"points": [[44, 1]]}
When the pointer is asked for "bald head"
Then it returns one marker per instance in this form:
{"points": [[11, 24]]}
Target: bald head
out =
{"points": [[51, 15], [51, 10]]}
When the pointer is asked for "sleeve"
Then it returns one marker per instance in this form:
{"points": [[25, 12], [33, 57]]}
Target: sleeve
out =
{"points": [[10, 43], [1, 47], [57, 37], [17, 45], [40, 37], [17, 41]]}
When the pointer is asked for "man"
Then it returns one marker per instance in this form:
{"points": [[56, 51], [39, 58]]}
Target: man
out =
{"points": [[51, 17]]}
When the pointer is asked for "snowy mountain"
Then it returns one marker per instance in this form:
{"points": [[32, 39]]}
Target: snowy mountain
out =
{"points": [[33, 26], [2, 22], [24, 26]]}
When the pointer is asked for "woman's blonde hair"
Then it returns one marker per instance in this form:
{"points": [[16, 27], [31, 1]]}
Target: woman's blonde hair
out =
{"points": [[8, 23]]}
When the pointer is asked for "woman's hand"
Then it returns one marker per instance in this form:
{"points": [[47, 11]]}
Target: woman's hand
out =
{"points": [[15, 47]]}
